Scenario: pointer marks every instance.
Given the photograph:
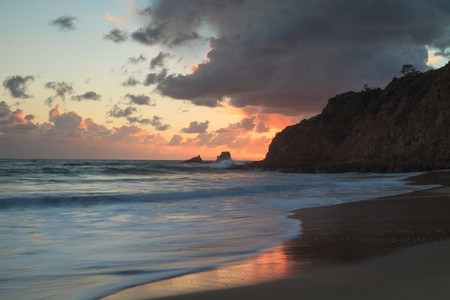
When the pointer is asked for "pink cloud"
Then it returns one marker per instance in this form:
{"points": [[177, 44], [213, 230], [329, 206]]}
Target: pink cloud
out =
{"points": [[15, 120], [117, 18], [69, 135]]}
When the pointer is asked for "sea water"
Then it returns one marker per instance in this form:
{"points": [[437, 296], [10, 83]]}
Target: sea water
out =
{"points": [[82, 229]]}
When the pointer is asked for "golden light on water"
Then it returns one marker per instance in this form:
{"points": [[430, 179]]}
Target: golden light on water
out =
{"points": [[266, 266]]}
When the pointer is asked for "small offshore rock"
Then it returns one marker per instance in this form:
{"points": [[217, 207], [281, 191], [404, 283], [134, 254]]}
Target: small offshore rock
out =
{"points": [[196, 159]]}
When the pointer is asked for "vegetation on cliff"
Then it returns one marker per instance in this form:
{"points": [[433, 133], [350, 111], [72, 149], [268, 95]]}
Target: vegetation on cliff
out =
{"points": [[403, 127]]}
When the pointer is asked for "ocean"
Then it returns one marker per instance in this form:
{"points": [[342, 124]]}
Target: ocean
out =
{"points": [[82, 229]]}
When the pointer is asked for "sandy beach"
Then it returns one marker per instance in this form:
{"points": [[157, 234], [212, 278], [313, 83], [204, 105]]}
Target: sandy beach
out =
{"points": [[388, 248]]}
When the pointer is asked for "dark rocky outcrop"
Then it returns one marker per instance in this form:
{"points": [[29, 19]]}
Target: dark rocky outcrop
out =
{"points": [[405, 127], [196, 159], [223, 156]]}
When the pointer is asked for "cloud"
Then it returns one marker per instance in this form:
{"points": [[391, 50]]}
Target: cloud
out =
{"points": [[196, 127], [14, 121], [87, 96], [235, 136], [159, 60], [153, 35], [137, 60], [117, 112], [290, 56], [162, 127], [248, 123], [261, 127], [203, 139], [72, 125], [131, 81], [116, 35], [95, 130], [4, 109], [148, 36], [17, 86], [176, 140], [61, 89], [228, 139], [155, 122], [154, 78], [68, 122], [64, 23], [245, 125], [139, 99], [117, 18], [68, 135], [139, 120]]}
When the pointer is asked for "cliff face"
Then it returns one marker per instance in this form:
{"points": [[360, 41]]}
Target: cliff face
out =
{"points": [[405, 127]]}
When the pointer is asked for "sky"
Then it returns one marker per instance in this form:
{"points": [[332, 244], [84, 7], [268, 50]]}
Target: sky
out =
{"points": [[173, 79]]}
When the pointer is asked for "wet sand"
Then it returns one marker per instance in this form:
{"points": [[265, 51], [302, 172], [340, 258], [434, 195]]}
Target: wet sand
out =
{"points": [[388, 248]]}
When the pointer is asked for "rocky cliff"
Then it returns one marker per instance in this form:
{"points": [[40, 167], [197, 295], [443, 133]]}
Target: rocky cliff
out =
{"points": [[404, 127]]}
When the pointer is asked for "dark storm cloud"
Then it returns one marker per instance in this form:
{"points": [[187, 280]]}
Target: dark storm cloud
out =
{"points": [[116, 35], [118, 112], [17, 86], [87, 96], [290, 56], [139, 99], [64, 23], [196, 127], [159, 60]]}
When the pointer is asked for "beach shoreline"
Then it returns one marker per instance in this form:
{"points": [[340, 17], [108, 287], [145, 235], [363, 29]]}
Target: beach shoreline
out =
{"points": [[392, 247]]}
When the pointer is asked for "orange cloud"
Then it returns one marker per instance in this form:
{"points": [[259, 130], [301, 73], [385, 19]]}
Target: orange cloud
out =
{"points": [[277, 122], [195, 67], [73, 136], [117, 18], [17, 117]]}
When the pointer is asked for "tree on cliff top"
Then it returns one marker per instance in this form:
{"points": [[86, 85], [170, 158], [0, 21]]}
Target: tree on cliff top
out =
{"points": [[409, 69]]}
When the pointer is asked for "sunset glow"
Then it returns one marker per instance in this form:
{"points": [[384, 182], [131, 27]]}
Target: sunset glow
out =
{"points": [[270, 265], [145, 77]]}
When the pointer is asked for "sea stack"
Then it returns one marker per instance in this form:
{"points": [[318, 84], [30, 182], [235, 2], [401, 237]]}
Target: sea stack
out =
{"points": [[196, 159], [223, 156]]}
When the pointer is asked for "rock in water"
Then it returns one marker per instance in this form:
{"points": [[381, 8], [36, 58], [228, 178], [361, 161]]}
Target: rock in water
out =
{"points": [[404, 127], [196, 159], [223, 156]]}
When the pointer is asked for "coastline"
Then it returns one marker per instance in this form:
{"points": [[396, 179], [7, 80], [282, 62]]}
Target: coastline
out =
{"points": [[393, 247]]}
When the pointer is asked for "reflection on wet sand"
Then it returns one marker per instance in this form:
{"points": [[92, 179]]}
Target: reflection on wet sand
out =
{"points": [[269, 265]]}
